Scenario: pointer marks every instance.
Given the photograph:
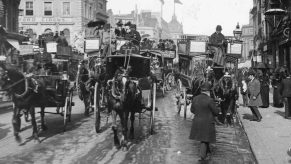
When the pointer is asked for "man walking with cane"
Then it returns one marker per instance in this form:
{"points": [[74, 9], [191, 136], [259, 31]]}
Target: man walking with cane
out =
{"points": [[203, 127], [254, 96]]}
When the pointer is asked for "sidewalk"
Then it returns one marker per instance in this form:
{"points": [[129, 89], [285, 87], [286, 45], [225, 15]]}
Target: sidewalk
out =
{"points": [[271, 138], [5, 104]]}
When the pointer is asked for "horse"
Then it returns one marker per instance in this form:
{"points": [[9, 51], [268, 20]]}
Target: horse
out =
{"points": [[25, 95], [82, 86], [227, 91], [124, 99]]}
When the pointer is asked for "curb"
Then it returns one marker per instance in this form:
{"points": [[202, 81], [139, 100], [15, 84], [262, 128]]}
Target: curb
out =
{"points": [[242, 125]]}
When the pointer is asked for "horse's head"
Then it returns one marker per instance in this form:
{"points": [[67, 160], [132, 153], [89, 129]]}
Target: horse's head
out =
{"points": [[226, 85], [10, 78]]}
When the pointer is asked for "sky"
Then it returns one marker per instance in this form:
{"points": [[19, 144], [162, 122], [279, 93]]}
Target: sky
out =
{"points": [[197, 16]]}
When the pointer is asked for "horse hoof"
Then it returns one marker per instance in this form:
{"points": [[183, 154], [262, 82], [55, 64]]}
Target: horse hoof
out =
{"points": [[18, 138]]}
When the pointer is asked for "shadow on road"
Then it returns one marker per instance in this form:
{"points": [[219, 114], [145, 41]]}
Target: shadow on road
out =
{"points": [[247, 116], [280, 113]]}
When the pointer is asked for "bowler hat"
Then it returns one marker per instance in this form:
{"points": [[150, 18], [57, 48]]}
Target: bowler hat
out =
{"points": [[218, 28], [206, 86], [252, 73], [119, 23], [127, 24]]}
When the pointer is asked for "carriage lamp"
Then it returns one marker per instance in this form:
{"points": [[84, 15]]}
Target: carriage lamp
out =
{"points": [[237, 32]]}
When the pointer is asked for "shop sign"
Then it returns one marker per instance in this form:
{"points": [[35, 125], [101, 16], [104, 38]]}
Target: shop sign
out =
{"points": [[26, 49]]}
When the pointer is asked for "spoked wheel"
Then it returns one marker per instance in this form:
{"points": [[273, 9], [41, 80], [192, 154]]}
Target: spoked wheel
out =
{"points": [[170, 81], [68, 109], [179, 99], [163, 88], [185, 103], [97, 99], [152, 116]]}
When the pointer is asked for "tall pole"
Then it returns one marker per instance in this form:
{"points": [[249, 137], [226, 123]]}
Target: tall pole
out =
{"points": [[174, 8]]}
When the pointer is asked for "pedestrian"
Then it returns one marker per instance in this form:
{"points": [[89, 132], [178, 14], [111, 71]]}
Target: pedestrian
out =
{"points": [[277, 99], [265, 89], [254, 96], [243, 92], [203, 126], [285, 91]]}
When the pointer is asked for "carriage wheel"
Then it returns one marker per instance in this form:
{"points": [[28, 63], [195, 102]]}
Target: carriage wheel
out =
{"points": [[68, 109], [152, 121], [179, 88], [185, 104], [97, 108], [169, 81], [163, 88]]}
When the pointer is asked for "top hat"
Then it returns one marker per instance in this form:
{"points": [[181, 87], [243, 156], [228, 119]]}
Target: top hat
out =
{"points": [[206, 86], [127, 24]]}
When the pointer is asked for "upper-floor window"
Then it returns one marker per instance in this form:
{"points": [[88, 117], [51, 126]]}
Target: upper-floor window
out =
{"points": [[29, 8], [48, 8], [90, 12], [66, 8], [100, 5]]}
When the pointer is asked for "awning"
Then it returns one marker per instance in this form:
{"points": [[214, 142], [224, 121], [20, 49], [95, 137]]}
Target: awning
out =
{"points": [[14, 43]]}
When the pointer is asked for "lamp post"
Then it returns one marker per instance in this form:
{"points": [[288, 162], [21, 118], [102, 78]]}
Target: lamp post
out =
{"points": [[237, 32], [271, 15]]}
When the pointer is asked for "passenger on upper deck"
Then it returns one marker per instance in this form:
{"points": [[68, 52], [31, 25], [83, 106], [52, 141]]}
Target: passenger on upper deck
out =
{"points": [[133, 35], [217, 41], [107, 37]]}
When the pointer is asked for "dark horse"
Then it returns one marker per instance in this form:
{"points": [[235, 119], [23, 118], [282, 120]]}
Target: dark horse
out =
{"points": [[83, 87], [24, 96], [124, 99], [227, 91]]}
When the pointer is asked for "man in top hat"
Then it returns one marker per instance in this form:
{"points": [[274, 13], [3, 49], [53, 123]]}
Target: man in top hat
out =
{"points": [[254, 95], [120, 31], [203, 126], [107, 38], [134, 35], [217, 41], [285, 91]]}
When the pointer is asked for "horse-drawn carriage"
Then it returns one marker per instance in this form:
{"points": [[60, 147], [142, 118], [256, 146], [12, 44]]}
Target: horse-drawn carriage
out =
{"points": [[119, 82], [162, 67], [44, 85], [196, 66]]}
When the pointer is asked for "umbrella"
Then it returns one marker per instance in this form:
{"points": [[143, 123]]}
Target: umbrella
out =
{"points": [[145, 35], [95, 23], [275, 12]]}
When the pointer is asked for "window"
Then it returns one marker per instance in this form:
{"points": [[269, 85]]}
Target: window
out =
{"points": [[29, 8], [66, 8], [100, 5], [90, 12], [48, 9]]}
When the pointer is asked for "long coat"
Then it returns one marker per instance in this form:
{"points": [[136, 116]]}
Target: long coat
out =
{"points": [[285, 87], [203, 126], [254, 88]]}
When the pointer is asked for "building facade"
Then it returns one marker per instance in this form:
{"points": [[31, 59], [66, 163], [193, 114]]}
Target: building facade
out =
{"points": [[69, 16], [9, 14], [248, 41]]}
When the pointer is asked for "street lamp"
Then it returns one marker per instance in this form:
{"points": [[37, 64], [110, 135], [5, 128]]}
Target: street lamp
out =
{"points": [[237, 32]]}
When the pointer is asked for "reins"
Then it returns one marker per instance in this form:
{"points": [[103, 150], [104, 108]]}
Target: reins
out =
{"points": [[11, 86]]}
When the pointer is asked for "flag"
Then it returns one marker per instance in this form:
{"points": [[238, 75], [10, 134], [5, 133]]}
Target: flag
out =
{"points": [[178, 1], [163, 2]]}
